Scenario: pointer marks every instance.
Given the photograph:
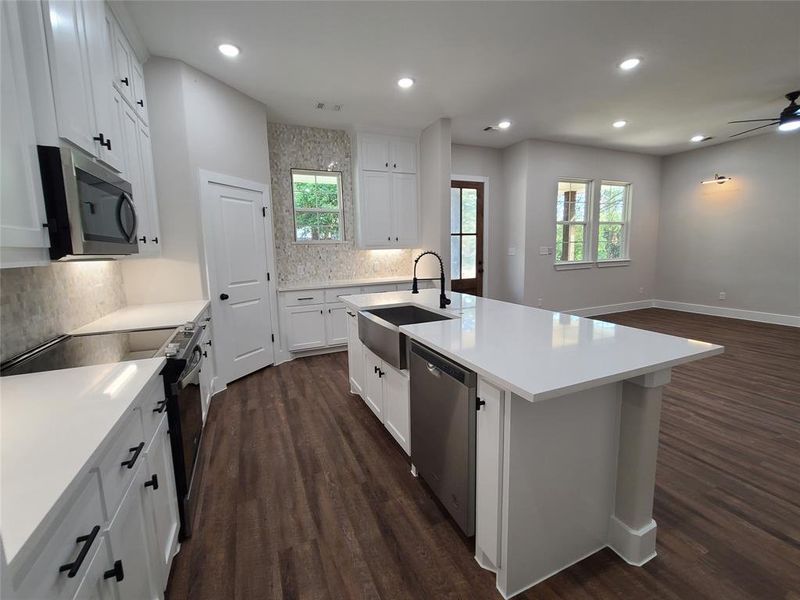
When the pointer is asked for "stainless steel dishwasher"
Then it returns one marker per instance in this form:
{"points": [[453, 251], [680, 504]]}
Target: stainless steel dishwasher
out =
{"points": [[443, 406]]}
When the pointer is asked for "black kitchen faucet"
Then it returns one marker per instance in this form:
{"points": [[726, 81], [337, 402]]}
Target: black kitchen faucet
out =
{"points": [[443, 300]]}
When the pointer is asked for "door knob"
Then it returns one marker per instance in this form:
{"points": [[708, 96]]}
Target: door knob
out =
{"points": [[223, 296]]}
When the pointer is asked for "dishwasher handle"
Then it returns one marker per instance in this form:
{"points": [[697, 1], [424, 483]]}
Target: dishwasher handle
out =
{"points": [[438, 365]]}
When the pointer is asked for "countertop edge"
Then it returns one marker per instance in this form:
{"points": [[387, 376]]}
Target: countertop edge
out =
{"points": [[93, 328]]}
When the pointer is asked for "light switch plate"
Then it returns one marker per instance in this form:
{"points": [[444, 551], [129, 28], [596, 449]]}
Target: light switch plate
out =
{"points": [[512, 251]]}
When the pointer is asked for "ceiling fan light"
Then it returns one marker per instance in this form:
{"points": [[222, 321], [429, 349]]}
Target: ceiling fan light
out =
{"points": [[790, 125], [720, 179]]}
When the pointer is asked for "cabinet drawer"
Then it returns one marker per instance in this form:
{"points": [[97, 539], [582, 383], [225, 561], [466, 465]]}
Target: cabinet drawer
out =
{"points": [[304, 297], [153, 406], [121, 457], [332, 294], [82, 517]]}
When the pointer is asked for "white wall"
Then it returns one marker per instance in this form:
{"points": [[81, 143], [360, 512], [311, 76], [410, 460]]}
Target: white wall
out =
{"points": [[196, 123], [741, 237], [476, 161], [434, 166], [515, 187]]}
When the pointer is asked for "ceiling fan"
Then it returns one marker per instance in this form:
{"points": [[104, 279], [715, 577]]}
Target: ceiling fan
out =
{"points": [[788, 120]]}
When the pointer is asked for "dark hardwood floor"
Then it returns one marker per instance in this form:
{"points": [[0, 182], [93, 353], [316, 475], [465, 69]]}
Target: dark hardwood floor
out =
{"points": [[305, 495]]}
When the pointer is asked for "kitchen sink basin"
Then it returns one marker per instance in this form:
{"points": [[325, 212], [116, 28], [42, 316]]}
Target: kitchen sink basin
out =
{"points": [[379, 330]]}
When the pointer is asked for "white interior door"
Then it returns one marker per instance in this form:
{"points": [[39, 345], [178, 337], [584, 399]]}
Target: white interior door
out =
{"points": [[235, 226]]}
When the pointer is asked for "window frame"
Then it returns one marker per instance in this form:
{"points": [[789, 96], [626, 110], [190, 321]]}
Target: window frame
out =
{"points": [[625, 257], [295, 210], [588, 229]]}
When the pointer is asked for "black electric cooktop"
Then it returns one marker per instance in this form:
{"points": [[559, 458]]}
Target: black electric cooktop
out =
{"points": [[81, 350]]}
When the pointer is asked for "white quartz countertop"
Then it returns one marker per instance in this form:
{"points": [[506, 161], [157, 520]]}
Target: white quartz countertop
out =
{"points": [[334, 283], [537, 354], [52, 423], [145, 316]]}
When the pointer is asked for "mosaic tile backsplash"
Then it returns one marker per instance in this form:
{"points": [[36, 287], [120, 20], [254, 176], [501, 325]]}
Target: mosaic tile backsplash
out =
{"points": [[39, 303], [297, 147]]}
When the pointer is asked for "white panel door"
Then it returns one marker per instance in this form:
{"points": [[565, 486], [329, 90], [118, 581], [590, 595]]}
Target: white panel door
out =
{"points": [[376, 209], [305, 327], [404, 209], [335, 324], [69, 68], [403, 155], [22, 213], [235, 220], [374, 153], [396, 407], [355, 355], [373, 383]]}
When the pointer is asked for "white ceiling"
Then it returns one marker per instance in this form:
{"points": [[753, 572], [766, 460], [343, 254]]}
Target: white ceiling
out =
{"points": [[549, 67]]}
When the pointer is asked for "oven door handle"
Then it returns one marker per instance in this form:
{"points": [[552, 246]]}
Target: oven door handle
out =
{"points": [[190, 378], [126, 199]]}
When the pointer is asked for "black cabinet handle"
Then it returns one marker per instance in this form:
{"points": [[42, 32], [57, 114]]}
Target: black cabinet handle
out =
{"points": [[87, 541], [155, 240], [205, 354], [375, 369], [479, 403], [306, 298], [153, 482], [117, 572], [143, 239], [387, 164], [140, 103], [125, 81], [137, 450], [103, 141], [381, 373], [161, 406], [395, 165], [208, 343], [223, 296], [389, 238]]}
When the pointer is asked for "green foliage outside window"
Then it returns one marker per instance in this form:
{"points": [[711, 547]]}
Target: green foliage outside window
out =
{"points": [[317, 206]]}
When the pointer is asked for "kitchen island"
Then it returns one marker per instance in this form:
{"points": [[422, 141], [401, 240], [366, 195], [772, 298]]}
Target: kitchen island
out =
{"points": [[567, 433]]}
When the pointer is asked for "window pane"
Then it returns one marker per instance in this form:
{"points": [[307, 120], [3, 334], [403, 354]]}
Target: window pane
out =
{"points": [[321, 191], [610, 242], [455, 210], [570, 242], [469, 210], [469, 253], [612, 202], [455, 257], [328, 224], [571, 201], [306, 226]]}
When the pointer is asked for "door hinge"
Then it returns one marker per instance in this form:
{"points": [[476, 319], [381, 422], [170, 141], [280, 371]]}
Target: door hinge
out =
{"points": [[273, 338], [264, 211]]}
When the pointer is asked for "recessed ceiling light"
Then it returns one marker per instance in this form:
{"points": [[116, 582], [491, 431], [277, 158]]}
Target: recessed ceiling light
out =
{"points": [[405, 82], [228, 50], [504, 124], [619, 124], [697, 138], [629, 63]]}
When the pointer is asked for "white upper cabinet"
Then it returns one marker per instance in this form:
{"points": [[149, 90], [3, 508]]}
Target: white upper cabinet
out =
{"points": [[122, 58], [139, 101], [22, 216], [387, 194], [148, 191]]}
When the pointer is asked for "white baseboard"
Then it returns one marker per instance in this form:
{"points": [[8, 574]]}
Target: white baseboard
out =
{"points": [[732, 313], [610, 308]]}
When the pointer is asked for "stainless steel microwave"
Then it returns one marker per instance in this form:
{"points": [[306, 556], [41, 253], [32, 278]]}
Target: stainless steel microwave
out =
{"points": [[90, 209]]}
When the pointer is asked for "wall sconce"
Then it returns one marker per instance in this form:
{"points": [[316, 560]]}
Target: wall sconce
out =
{"points": [[717, 179]]}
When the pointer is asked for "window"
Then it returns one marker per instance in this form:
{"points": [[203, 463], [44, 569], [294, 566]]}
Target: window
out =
{"points": [[466, 237], [612, 221], [572, 218], [317, 200]]}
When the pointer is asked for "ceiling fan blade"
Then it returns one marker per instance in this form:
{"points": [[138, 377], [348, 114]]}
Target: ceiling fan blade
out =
{"points": [[751, 121], [753, 129]]}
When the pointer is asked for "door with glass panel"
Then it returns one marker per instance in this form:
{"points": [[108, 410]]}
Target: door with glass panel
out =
{"points": [[466, 237]]}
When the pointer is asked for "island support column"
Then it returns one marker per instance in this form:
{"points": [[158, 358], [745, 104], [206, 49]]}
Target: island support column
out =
{"points": [[632, 530]]}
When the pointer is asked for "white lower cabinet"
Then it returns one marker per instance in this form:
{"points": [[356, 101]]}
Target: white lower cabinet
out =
{"points": [[489, 472], [373, 384], [355, 355], [386, 392], [100, 578], [306, 327], [207, 369], [335, 324]]}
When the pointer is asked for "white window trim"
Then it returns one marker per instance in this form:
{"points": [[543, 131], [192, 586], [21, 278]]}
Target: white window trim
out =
{"points": [[625, 259], [588, 231], [295, 210]]}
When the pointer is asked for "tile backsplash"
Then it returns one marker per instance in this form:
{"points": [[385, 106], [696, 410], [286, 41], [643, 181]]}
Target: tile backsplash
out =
{"points": [[298, 147], [39, 303]]}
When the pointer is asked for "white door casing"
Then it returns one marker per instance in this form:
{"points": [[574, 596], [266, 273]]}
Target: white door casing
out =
{"points": [[239, 252]]}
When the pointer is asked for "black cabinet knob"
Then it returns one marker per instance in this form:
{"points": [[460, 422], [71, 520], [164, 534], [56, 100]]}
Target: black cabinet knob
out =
{"points": [[223, 296], [479, 403], [117, 573], [395, 165], [387, 164], [153, 482]]}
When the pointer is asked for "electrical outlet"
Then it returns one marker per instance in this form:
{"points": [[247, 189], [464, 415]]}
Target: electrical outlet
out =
{"points": [[722, 295], [544, 250], [540, 303], [512, 251], [641, 290]]}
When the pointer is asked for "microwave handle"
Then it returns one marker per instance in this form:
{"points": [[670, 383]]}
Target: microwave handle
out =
{"points": [[126, 199]]}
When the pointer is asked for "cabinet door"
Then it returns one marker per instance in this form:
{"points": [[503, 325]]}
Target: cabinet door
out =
{"points": [[396, 406], [405, 214], [163, 503], [139, 100], [22, 213], [355, 355], [95, 586], [129, 538], [373, 153], [148, 198], [335, 324], [373, 383], [123, 57], [134, 175], [375, 209], [207, 369], [305, 327], [403, 155], [110, 151], [69, 70], [489, 472]]}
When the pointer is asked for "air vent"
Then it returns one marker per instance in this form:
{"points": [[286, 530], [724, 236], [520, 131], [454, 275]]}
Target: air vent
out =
{"points": [[329, 106]]}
